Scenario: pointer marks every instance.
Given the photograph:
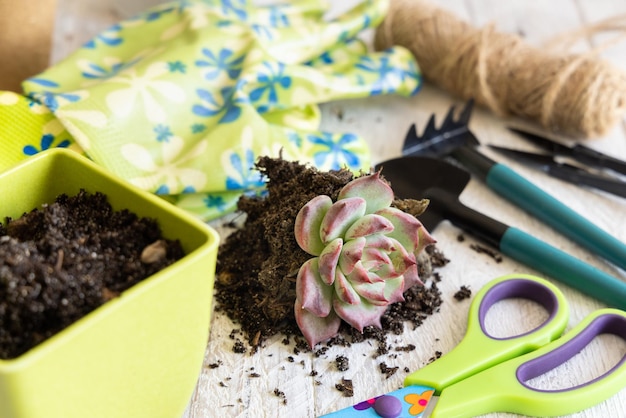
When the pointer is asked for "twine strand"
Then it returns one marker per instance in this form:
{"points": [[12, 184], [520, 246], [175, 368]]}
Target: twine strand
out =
{"points": [[579, 95]]}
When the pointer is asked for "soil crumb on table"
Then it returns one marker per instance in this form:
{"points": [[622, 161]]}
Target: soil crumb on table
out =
{"points": [[345, 386], [481, 249], [62, 261], [386, 370], [259, 261], [343, 363], [463, 293], [281, 395]]}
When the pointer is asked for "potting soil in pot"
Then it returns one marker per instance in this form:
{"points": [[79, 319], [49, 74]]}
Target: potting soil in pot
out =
{"points": [[62, 261]]}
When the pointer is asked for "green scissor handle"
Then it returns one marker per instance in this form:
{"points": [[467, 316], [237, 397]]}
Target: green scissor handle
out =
{"points": [[479, 350], [502, 388]]}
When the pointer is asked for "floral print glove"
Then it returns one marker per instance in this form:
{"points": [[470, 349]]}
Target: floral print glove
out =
{"points": [[182, 99]]}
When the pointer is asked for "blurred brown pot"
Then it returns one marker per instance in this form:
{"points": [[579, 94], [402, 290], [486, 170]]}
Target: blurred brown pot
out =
{"points": [[25, 39]]}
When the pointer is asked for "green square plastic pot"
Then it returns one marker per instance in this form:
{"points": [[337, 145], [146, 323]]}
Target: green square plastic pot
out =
{"points": [[138, 355]]}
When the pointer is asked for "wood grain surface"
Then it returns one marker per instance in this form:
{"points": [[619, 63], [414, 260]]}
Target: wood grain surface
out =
{"points": [[234, 390]]}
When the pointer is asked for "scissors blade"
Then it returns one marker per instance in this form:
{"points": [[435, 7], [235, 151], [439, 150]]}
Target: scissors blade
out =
{"points": [[578, 152], [540, 161], [413, 400], [566, 172]]}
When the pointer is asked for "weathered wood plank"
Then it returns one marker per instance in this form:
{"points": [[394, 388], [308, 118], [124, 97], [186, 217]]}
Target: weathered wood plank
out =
{"points": [[230, 390]]}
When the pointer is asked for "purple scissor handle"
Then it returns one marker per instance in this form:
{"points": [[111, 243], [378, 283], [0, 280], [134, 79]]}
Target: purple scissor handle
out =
{"points": [[479, 350], [485, 373]]}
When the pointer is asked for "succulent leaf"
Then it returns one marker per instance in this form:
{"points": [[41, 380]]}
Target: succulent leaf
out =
{"points": [[374, 259], [400, 261], [328, 260], [425, 240], [395, 288], [340, 216], [369, 224], [405, 227], [361, 315], [381, 242], [313, 294], [351, 254], [308, 222], [360, 274], [316, 328], [344, 289], [366, 254], [373, 292], [372, 188], [411, 278]]}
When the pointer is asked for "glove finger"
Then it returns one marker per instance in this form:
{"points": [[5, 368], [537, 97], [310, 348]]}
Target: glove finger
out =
{"points": [[327, 151], [27, 128], [302, 40], [340, 76]]}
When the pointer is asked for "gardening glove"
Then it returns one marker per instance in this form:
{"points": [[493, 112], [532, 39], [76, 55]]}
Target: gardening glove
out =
{"points": [[182, 99]]}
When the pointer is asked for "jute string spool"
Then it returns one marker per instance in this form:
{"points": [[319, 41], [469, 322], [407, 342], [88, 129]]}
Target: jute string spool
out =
{"points": [[579, 95]]}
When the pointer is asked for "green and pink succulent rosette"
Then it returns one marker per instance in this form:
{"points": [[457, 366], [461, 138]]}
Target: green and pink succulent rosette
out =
{"points": [[365, 256]]}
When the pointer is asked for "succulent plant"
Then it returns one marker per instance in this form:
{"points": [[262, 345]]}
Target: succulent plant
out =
{"points": [[364, 257]]}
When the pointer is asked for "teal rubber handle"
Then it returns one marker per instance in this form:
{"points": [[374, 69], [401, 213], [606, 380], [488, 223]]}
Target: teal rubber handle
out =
{"points": [[563, 267], [548, 209]]}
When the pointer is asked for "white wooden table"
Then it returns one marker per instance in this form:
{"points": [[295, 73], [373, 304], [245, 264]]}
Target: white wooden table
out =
{"points": [[230, 391]]}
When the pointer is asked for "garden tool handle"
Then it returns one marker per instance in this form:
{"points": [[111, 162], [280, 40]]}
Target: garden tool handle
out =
{"points": [[531, 251], [543, 206], [567, 269]]}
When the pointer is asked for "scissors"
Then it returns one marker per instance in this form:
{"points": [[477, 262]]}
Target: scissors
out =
{"points": [[589, 170], [485, 374], [567, 172], [584, 155]]}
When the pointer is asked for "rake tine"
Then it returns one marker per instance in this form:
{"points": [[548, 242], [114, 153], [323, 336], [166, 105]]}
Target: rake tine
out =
{"points": [[413, 140], [411, 135], [448, 122], [438, 141], [464, 117], [413, 144], [430, 130]]}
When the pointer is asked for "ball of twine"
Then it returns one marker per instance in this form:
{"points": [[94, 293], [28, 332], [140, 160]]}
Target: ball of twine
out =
{"points": [[577, 95]]}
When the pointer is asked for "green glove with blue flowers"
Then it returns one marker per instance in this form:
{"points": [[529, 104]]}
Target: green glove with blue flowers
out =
{"points": [[182, 99]]}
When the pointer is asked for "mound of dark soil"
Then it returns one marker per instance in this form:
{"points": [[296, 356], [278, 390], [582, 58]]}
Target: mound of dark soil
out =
{"points": [[258, 263]]}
